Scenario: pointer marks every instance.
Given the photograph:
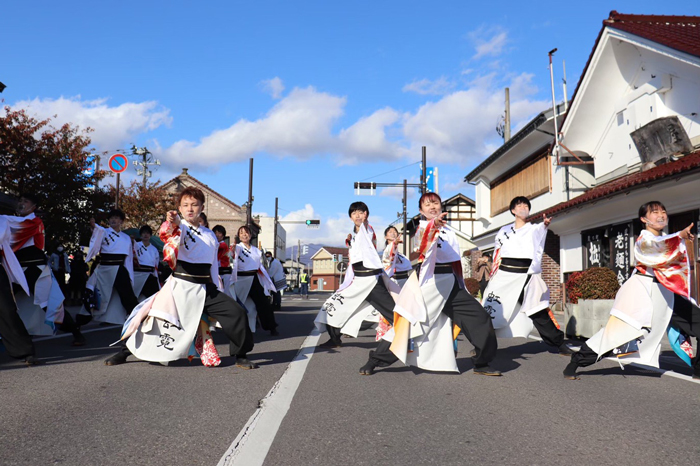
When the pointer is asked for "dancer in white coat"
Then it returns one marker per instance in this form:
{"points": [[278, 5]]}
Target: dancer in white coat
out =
{"points": [[433, 306], [654, 300]]}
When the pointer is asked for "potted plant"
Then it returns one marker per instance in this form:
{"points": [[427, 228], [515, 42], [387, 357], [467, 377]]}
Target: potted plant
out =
{"points": [[590, 295]]}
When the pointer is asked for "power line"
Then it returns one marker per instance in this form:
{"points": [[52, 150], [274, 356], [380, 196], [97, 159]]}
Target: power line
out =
{"points": [[391, 171]]}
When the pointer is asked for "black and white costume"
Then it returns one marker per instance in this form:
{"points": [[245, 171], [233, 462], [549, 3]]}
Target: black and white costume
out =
{"points": [[146, 273], [253, 285], [112, 281]]}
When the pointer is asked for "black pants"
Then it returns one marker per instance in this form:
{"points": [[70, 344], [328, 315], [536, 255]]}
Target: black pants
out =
{"points": [[122, 285], [468, 315], [685, 317], [14, 335], [380, 299], [543, 323], [151, 286], [266, 313], [233, 319]]}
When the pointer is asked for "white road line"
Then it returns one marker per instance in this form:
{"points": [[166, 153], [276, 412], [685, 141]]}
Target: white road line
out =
{"points": [[663, 372], [253, 442]]}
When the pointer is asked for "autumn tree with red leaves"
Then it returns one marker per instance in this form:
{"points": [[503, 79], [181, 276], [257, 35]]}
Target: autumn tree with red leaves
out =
{"points": [[53, 163], [143, 205]]}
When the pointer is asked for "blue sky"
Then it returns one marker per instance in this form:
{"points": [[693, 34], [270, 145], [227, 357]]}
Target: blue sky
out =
{"points": [[320, 93]]}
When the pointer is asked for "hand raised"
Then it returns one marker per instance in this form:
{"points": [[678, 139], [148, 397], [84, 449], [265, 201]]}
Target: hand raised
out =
{"points": [[172, 217], [686, 234]]}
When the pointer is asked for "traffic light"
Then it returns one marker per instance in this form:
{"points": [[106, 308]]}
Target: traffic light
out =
{"points": [[335, 258], [313, 222]]}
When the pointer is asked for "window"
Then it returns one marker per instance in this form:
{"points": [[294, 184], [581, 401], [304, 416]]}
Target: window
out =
{"points": [[530, 180]]}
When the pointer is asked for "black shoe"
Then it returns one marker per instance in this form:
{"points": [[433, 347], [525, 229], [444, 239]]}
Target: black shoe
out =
{"points": [[487, 370], [119, 358], [78, 338], [245, 363], [274, 333], [368, 369], [331, 344], [570, 371], [33, 361], [564, 350]]}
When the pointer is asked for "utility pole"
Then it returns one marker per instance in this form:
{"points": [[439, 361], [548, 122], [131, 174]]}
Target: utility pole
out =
{"points": [[274, 234], [423, 173], [249, 210], [298, 262], [146, 160], [506, 129], [405, 200]]}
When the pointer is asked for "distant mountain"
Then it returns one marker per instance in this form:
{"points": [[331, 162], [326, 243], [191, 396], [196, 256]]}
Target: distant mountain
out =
{"points": [[312, 249]]}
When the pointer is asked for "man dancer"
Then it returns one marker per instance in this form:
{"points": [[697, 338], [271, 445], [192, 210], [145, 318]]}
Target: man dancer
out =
{"points": [[366, 288], [42, 310], [14, 336], [163, 327], [516, 296], [114, 272], [146, 282]]}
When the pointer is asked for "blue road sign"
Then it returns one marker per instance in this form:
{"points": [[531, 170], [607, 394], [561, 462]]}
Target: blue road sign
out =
{"points": [[118, 163]]}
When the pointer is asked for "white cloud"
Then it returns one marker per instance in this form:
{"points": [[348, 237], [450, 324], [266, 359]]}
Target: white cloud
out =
{"points": [[425, 86], [366, 139], [460, 127], [488, 42], [332, 231], [273, 86], [114, 126], [298, 125]]}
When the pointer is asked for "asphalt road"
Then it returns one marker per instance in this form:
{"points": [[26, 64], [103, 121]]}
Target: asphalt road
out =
{"points": [[75, 411]]}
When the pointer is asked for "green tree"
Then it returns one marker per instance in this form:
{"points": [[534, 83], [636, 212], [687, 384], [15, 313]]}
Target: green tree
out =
{"points": [[53, 164]]}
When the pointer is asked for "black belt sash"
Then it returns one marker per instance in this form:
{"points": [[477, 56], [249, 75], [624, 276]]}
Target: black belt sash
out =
{"points": [[194, 273], [441, 269], [225, 270], [402, 275], [143, 268], [112, 259], [247, 273], [31, 255], [361, 271], [513, 265]]}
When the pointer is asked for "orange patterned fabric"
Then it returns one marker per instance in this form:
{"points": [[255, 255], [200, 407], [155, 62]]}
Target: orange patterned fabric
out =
{"points": [[668, 258], [223, 255], [29, 228], [170, 235], [427, 237]]}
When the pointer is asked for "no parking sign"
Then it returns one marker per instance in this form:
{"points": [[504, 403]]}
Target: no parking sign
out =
{"points": [[118, 163]]}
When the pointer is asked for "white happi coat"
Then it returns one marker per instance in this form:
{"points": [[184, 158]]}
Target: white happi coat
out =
{"points": [[146, 257], [394, 262], [276, 273], [421, 301], [347, 309], [9, 260], [108, 241], [163, 327], [42, 310], [250, 259], [643, 307], [500, 298]]}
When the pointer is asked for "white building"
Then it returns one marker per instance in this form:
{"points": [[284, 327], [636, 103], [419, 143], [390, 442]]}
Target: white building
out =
{"points": [[267, 231], [632, 131]]}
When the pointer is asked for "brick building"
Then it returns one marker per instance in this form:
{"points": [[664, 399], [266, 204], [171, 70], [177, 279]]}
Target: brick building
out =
{"points": [[219, 209], [326, 275]]}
